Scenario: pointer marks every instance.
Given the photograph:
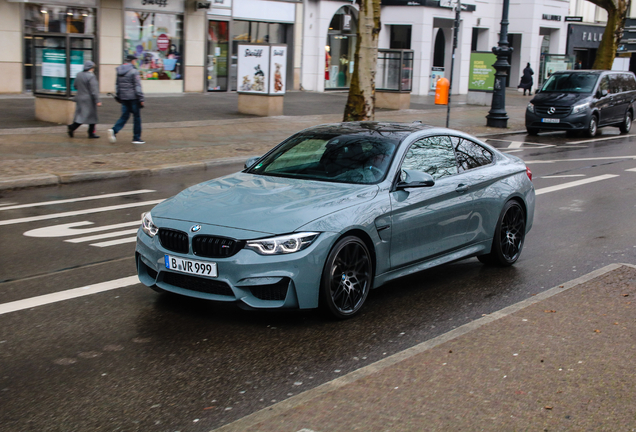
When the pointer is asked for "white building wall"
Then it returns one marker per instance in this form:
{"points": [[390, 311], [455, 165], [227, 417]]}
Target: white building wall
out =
{"points": [[11, 41]]}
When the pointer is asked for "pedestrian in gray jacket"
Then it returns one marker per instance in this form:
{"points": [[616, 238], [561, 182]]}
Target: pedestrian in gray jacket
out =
{"points": [[129, 93], [86, 100]]}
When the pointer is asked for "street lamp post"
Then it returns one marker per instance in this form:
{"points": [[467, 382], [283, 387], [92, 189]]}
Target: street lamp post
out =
{"points": [[497, 116]]}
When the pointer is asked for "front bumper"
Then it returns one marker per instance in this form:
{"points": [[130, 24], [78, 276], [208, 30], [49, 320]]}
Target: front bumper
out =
{"points": [[290, 281], [578, 121]]}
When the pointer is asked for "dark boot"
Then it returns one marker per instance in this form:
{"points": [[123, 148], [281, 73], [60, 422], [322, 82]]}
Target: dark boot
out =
{"points": [[91, 131], [70, 130]]}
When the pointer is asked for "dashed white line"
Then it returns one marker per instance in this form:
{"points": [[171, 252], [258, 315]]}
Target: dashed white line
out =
{"points": [[115, 242], [73, 200], [67, 295], [631, 169], [578, 159], [102, 236], [564, 176], [574, 183]]}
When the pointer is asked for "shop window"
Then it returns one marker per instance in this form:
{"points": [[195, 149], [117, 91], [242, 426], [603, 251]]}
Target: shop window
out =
{"points": [[340, 49], [217, 55], [157, 40], [400, 37], [58, 19]]}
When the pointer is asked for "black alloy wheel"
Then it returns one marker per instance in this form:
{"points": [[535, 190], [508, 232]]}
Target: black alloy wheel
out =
{"points": [[627, 123], [592, 127], [509, 236], [347, 277]]}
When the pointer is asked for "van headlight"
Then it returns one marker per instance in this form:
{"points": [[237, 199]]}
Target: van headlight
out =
{"points": [[284, 244], [579, 108], [147, 225], [530, 107]]}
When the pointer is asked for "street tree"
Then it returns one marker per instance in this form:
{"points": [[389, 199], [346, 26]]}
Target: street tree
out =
{"points": [[616, 14], [361, 101]]}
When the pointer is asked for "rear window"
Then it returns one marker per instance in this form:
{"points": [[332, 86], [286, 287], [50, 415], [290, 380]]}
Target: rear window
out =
{"points": [[570, 83]]}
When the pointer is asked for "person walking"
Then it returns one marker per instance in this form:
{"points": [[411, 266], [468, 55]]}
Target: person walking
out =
{"points": [[86, 100], [128, 91], [526, 80]]}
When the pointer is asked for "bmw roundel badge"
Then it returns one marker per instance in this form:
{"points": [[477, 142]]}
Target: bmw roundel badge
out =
{"points": [[195, 228]]}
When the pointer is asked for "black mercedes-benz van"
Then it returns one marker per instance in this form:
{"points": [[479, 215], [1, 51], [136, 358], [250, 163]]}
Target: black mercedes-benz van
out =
{"points": [[583, 100]]}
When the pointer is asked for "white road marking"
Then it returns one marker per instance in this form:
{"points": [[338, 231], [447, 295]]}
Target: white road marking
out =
{"points": [[72, 200], [564, 176], [78, 212], [67, 295], [115, 242], [601, 139], [67, 230], [102, 236], [6, 204], [515, 144], [631, 169], [574, 183], [579, 159]]}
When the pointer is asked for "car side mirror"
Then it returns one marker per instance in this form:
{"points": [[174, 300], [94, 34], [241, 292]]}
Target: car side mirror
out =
{"points": [[251, 161], [414, 179]]}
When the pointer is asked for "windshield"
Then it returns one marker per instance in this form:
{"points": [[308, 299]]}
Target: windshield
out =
{"points": [[570, 83], [356, 158]]}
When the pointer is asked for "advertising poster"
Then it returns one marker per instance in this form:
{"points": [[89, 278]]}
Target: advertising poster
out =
{"points": [[277, 68], [552, 67], [481, 76], [436, 73], [77, 65], [253, 69], [54, 69]]}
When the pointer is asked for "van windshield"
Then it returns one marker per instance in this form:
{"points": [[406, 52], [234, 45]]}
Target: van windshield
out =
{"points": [[570, 83]]}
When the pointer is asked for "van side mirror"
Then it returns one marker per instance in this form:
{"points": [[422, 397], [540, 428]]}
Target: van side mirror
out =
{"points": [[602, 93]]}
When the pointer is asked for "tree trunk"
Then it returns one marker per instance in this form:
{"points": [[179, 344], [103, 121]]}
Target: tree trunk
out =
{"points": [[616, 15], [361, 102]]}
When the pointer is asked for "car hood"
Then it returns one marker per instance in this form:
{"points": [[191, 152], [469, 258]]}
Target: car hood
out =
{"points": [[560, 99], [272, 205]]}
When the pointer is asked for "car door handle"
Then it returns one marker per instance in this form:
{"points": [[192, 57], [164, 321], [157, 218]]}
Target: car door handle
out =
{"points": [[461, 188]]}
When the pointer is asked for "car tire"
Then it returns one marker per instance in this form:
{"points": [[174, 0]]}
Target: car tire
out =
{"points": [[532, 131], [627, 123], [346, 278], [592, 127], [509, 237]]}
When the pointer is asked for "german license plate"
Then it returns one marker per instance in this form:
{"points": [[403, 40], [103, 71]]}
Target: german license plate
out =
{"points": [[550, 120], [191, 266]]}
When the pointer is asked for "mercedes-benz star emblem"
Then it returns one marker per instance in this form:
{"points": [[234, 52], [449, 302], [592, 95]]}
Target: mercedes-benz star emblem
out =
{"points": [[551, 110], [195, 228]]}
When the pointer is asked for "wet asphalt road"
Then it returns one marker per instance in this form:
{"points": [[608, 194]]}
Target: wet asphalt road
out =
{"points": [[130, 359]]}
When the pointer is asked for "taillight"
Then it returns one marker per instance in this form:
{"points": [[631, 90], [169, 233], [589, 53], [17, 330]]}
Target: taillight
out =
{"points": [[529, 173]]}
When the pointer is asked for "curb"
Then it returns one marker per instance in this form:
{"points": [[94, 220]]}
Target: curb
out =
{"points": [[279, 408]]}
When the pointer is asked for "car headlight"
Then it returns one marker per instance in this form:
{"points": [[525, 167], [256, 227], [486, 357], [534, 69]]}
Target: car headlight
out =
{"points": [[147, 225], [284, 244], [530, 107], [579, 108]]}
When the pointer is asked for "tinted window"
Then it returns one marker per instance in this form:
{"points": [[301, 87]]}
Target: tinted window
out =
{"points": [[631, 82], [571, 83], [433, 155], [470, 155], [605, 84]]}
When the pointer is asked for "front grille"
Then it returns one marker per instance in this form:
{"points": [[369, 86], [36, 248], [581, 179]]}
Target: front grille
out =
{"points": [[215, 247], [194, 283], [173, 240], [277, 291], [559, 111]]}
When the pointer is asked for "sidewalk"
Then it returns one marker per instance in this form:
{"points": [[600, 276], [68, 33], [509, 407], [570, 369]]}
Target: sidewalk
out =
{"points": [[561, 360], [193, 131]]}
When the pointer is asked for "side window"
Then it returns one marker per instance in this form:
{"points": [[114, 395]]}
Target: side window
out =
{"points": [[604, 85], [470, 154], [618, 83], [433, 155], [631, 82]]}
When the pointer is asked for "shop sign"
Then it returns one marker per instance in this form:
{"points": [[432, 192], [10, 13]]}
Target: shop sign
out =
{"points": [[277, 69], [163, 42], [253, 69], [573, 19], [436, 73], [156, 5], [552, 17], [584, 36], [222, 4], [481, 76]]}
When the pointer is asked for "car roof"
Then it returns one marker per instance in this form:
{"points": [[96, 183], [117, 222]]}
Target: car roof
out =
{"points": [[387, 130]]}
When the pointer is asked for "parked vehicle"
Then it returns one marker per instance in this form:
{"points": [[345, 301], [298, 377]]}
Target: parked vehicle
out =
{"points": [[334, 211], [583, 100]]}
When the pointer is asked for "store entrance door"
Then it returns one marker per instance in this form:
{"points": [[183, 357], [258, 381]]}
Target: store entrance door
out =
{"points": [[217, 77]]}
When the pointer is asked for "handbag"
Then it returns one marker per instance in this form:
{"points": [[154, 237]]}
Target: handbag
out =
{"points": [[114, 97]]}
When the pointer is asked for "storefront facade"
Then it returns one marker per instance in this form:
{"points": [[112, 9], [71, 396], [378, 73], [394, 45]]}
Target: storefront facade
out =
{"points": [[182, 45]]}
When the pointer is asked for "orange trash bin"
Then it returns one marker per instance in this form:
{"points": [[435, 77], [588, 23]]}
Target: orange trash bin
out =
{"points": [[441, 91]]}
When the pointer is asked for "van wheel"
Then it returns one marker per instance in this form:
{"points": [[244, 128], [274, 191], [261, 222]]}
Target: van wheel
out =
{"points": [[627, 123], [592, 127], [532, 131]]}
